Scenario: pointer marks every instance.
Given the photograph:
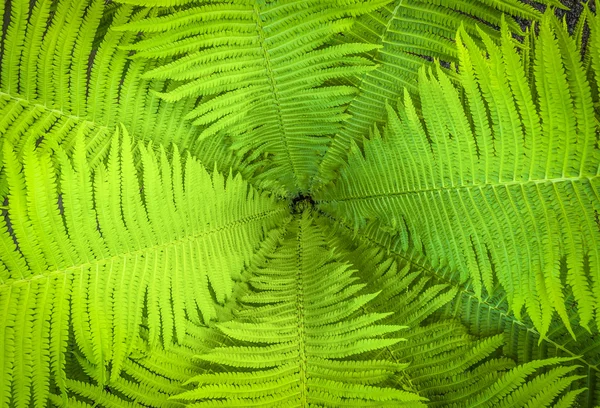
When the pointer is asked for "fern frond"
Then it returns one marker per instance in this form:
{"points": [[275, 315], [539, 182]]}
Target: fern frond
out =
{"points": [[297, 345], [484, 316], [62, 72], [151, 374], [502, 171], [410, 33], [106, 254], [263, 73], [449, 365], [523, 343]]}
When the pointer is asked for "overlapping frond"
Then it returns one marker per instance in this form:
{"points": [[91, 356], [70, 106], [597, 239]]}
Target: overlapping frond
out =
{"points": [[299, 336], [501, 189], [448, 364], [152, 374], [523, 343], [216, 151], [411, 33], [262, 73], [62, 71], [112, 253]]}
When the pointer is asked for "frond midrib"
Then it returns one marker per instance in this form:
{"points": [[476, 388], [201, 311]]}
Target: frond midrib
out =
{"points": [[273, 90], [34, 104], [301, 317], [153, 248], [465, 187]]}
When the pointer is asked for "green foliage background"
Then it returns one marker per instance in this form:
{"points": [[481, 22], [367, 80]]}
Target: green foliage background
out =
{"points": [[299, 203]]}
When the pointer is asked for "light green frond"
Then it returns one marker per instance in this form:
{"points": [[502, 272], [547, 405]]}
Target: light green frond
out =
{"points": [[501, 191], [101, 260], [522, 341], [488, 315], [217, 151], [450, 363], [263, 74], [293, 339], [410, 33], [62, 72]]}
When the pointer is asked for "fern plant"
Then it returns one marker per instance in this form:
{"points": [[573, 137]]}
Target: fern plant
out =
{"points": [[299, 203]]}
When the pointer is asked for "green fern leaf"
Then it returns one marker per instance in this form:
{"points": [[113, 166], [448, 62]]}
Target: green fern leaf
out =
{"points": [[265, 75], [304, 343], [409, 32], [95, 279], [471, 179]]}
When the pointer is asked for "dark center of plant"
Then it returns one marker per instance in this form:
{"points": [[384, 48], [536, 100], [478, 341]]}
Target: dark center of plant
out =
{"points": [[301, 202]]}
